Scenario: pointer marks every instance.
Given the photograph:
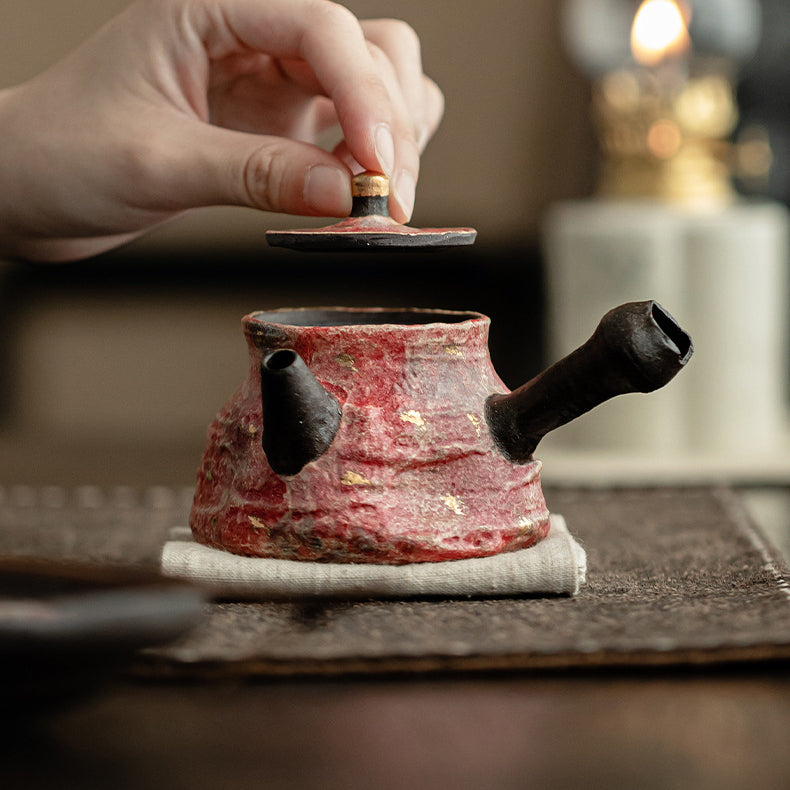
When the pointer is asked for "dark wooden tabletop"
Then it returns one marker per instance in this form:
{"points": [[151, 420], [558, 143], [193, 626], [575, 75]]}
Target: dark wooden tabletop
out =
{"points": [[648, 730]]}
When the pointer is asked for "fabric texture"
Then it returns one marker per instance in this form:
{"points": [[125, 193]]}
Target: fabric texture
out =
{"points": [[555, 565], [675, 576]]}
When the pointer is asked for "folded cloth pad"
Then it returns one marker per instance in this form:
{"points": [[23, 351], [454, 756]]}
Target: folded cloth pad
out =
{"points": [[556, 565]]}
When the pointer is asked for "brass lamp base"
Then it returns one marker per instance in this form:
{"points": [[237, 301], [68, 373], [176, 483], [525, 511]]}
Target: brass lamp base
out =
{"points": [[667, 141]]}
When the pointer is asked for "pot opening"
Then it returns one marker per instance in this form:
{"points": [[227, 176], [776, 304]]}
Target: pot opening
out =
{"points": [[344, 316]]}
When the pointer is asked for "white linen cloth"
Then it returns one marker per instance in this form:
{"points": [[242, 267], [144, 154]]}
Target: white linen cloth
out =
{"points": [[555, 565]]}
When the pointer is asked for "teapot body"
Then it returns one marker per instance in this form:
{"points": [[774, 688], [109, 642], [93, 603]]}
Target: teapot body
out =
{"points": [[412, 473]]}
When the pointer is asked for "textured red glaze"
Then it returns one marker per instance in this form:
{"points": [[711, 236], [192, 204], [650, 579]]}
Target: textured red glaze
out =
{"points": [[412, 474], [369, 232], [376, 223]]}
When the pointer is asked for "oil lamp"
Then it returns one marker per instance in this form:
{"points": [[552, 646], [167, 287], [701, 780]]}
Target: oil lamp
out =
{"points": [[663, 97], [667, 221]]}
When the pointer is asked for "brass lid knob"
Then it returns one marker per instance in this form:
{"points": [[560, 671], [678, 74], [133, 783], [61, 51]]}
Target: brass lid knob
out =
{"points": [[370, 184], [370, 195]]}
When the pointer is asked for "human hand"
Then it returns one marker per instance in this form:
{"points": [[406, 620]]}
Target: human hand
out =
{"points": [[177, 104]]}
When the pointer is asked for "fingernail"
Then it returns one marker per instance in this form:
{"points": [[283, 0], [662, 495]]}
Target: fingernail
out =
{"points": [[327, 191], [423, 136], [385, 148], [404, 187]]}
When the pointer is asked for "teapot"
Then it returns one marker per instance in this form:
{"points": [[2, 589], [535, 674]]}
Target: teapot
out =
{"points": [[371, 435]]}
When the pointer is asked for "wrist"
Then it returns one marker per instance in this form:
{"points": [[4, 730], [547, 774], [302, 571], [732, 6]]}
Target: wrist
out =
{"points": [[35, 200], [14, 197]]}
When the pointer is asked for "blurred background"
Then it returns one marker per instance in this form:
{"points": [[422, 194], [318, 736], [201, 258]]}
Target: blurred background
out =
{"points": [[111, 369]]}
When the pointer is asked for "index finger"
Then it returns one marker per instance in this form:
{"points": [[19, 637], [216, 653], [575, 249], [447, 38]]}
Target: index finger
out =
{"points": [[328, 37]]}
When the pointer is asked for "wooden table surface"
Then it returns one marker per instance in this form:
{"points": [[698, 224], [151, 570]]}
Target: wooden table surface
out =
{"points": [[682, 730]]}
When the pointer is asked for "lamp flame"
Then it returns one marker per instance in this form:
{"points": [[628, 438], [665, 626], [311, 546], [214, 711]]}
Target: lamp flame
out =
{"points": [[659, 31]]}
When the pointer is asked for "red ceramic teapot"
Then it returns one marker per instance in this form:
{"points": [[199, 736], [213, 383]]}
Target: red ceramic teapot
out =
{"points": [[385, 436]]}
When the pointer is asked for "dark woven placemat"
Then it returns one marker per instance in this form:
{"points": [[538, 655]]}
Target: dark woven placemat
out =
{"points": [[674, 576]]}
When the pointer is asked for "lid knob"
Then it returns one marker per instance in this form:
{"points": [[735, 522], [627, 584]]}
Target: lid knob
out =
{"points": [[370, 194], [370, 184]]}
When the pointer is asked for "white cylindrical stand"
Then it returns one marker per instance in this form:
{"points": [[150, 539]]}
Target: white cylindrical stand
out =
{"points": [[723, 275]]}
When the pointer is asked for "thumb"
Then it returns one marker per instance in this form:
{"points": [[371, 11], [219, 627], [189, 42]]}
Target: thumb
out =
{"points": [[222, 167]]}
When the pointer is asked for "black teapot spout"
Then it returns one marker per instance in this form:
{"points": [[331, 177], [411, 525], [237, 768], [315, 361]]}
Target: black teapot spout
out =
{"points": [[637, 347], [300, 418]]}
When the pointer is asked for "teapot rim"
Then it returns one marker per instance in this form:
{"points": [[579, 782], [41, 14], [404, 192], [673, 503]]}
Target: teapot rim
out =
{"points": [[335, 316]]}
